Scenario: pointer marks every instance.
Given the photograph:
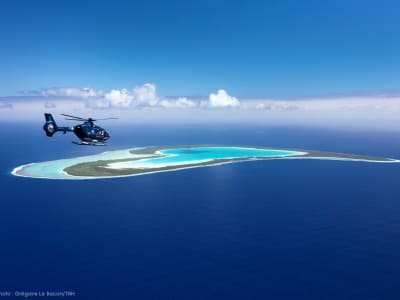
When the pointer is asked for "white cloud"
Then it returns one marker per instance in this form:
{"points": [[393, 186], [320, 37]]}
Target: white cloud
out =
{"points": [[277, 106], [98, 103], [49, 105], [340, 105], [117, 98], [69, 92], [349, 111], [145, 95], [181, 102], [141, 96], [222, 99]]}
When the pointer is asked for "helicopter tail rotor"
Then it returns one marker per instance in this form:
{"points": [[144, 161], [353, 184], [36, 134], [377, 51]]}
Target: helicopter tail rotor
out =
{"points": [[50, 127]]}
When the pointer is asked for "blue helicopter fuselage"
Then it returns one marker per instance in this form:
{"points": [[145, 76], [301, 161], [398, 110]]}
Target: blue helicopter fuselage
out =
{"points": [[88, 132]]}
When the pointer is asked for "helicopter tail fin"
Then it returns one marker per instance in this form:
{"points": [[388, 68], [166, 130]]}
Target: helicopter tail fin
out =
{"points": [[50, 127]]}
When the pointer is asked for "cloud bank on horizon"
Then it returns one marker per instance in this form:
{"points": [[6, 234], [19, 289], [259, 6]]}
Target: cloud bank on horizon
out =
{"points": [[143, 104]]}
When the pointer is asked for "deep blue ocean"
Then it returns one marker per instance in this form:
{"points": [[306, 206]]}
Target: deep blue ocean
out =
{"points": [[283, 229]]}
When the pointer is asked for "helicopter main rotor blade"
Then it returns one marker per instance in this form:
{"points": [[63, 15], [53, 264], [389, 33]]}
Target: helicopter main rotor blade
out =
{"points": [[76, 118]]}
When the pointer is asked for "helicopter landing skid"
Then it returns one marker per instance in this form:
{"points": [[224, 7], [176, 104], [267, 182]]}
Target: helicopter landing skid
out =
{"points": [[89, 144]]}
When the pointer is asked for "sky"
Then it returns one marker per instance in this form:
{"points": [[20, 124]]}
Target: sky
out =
{"points": [[281, 50]]}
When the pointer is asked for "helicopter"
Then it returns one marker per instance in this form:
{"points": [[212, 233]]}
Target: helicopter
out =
{"points": [[88, 133]]}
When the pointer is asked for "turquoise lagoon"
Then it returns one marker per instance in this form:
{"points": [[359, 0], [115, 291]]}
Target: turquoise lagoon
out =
{"points": [[193, 155]]}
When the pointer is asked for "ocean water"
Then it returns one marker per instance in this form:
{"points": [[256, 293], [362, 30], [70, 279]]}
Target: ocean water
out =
{"points": [[287, 229]]}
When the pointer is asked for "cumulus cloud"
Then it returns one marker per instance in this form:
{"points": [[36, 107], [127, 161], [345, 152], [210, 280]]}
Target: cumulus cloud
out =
{"points": [[127, 104], [118, 98], [141, 96], [145, 95], [222, 99], [181, 102]]}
